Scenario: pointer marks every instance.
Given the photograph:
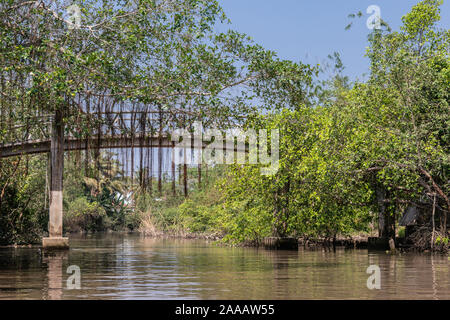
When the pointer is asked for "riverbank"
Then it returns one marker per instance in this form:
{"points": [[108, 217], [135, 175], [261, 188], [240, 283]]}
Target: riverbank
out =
{"points": [[350, 242]]}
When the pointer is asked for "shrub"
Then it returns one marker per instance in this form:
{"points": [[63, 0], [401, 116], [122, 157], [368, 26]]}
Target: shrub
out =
{"points": [[82, 215]]}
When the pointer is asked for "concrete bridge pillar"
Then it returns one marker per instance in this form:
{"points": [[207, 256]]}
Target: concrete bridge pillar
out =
{"points": [[55, 228]]}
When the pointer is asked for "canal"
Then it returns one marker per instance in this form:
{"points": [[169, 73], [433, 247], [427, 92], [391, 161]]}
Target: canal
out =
{"points": [[127, 266]]}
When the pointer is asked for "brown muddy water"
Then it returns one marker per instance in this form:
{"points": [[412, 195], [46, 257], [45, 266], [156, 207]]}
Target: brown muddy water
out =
{"points": [[127, 266]]}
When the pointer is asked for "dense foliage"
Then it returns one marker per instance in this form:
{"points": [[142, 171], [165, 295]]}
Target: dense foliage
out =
{"points": [[372, 148]]}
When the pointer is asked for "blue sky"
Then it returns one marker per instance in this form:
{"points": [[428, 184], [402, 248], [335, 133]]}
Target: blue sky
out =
{"points": [[309, 30]]}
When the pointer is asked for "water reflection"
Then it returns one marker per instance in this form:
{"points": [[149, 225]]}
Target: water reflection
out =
{"points": [[123, 266], [54, 261]]}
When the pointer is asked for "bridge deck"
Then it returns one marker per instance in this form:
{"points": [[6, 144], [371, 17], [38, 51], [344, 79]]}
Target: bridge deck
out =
{"points": [[104, 142]]}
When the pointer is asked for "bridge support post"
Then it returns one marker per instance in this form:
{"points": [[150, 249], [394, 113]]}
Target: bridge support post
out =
{"points": [[56, 239]]}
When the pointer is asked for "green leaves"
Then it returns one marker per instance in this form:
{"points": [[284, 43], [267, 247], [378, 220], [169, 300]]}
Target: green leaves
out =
{"points": [[384, 132], [421, 20]]}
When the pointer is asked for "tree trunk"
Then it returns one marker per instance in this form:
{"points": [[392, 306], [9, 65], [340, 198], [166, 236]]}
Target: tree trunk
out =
{"points": [[432, 222], [174, 191], [385, 219], [185, 180], [199, 175]]}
